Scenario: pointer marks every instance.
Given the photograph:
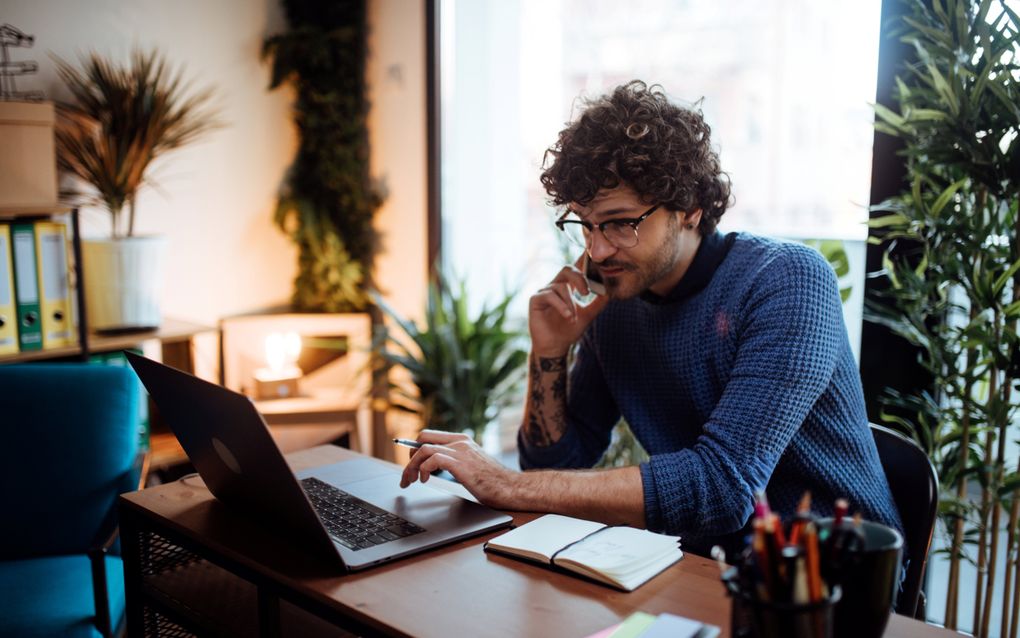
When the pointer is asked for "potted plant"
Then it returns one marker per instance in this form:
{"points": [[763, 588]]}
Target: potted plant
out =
{"points": [[954, 284], [465, 369], [122, 118]]}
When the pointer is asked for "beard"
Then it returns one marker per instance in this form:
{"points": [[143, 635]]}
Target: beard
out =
{"points": [[639, 277]]}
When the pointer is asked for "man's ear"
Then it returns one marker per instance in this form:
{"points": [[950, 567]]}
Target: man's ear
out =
{"points": [[692, 218]]}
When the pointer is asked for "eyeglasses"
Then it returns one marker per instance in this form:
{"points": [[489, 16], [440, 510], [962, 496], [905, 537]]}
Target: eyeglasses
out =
{"points": [[621, 232]]}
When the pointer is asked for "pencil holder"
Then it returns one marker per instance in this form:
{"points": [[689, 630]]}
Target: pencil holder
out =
{"points": [[751, 617], [870, 579]]}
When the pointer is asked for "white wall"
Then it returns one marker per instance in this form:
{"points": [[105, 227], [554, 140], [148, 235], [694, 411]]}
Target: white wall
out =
{"points": [[397, 132], [216, 198]]}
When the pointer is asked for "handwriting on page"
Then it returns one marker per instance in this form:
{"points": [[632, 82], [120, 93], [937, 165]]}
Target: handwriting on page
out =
{"points": [[605, 554], [616, 548]]}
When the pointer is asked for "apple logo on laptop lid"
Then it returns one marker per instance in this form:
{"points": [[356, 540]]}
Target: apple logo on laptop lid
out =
{"points": [[226, 455]]}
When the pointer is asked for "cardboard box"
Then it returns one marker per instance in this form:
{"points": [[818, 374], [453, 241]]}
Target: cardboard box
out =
{"points": [[28, 160]]}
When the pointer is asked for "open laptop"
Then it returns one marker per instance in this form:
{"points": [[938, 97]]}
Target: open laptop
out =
{"points": [[352, 511]]}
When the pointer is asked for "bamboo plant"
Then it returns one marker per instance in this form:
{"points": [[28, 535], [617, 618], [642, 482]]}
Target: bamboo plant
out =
{"points": [[120, 120], [951, 262], [464, 368]]}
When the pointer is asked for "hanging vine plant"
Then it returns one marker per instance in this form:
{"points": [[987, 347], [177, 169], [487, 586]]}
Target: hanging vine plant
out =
{"points": [[329, 198]]}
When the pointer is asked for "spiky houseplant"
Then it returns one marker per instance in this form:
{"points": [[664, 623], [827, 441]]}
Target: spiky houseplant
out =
{"points": [[120, 119], [954, 291], [329, 199], [465, 369]]}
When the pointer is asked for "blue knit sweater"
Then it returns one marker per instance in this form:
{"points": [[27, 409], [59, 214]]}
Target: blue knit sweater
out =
{"points": [[740, 382]]}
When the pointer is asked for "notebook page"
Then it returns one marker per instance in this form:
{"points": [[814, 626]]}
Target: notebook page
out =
{"points": [[620, 550], [625, 556], [545, 535]]}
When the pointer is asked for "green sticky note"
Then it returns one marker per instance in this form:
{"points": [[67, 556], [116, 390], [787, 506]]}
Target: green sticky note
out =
{"points": [[634, 626]]}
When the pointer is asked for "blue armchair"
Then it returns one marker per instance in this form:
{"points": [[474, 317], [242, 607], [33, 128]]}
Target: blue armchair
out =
{"points": [[69, 447]]}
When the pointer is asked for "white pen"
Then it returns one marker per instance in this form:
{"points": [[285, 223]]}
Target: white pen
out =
{"points": [[408, 443]]}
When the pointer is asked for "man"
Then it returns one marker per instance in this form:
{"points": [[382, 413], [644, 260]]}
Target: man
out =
{"points": [[727, 355]]}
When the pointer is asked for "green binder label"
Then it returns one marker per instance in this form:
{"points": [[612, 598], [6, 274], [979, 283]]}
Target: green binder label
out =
{"points": [[26, 287]]}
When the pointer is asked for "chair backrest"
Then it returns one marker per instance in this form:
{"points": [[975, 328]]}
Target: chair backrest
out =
{"points": [[70, 439], [915, 488]]}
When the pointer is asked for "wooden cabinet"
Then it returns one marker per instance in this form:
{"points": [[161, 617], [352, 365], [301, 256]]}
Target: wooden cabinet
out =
{"points": [[174, 335], [296, 424], [333, 403]]}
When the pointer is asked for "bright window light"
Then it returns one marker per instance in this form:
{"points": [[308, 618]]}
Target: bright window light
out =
{"points": [[786, 86]]}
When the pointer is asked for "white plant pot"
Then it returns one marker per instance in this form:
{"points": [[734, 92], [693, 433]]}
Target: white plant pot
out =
{"points": [[123, 279]]}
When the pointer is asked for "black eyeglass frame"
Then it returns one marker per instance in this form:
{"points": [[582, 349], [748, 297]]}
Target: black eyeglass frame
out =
{"points": [[633, 222]]}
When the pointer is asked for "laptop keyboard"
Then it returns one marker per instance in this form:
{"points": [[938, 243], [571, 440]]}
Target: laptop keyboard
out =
{"points": [[354, 523]]}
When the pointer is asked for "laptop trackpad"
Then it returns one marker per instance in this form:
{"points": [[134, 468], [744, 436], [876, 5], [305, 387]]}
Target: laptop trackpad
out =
{"points": [[347, 472], [424, 505]]}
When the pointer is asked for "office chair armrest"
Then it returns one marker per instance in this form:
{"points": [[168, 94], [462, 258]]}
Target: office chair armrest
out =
{"points": [[106, 536], [101, 544], [108, 531], [97, 551]]}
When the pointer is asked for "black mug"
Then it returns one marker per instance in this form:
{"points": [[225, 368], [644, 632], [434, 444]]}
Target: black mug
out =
{"points": [[870, 579]]}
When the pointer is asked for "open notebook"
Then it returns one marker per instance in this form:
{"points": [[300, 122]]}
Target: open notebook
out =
{"points": [[621, 557]]}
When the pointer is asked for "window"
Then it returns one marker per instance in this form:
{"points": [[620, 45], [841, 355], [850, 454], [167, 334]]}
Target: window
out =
{"points": [[786, 85]]}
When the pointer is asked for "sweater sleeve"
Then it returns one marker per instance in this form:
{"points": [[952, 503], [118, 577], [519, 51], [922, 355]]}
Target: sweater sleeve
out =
{"points": [[788, 341], [590, 416]]}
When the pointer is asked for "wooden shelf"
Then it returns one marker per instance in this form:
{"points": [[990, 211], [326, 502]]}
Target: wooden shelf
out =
{"points": [[41, 355], [172, 331], [15, 212]]}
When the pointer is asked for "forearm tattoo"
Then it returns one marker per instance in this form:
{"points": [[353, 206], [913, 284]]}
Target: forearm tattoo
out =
{"points": [[556, 364], [547, 396]]}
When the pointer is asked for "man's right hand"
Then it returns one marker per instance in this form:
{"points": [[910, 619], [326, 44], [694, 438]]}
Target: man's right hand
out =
{"points": [[555, 319]]}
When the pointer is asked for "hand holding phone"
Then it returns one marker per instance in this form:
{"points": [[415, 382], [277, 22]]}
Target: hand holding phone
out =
{"points": [[559, 313], [591, 274]]}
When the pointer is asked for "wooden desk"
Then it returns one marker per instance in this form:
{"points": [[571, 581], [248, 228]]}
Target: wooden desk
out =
{"points": [[177, 539]]}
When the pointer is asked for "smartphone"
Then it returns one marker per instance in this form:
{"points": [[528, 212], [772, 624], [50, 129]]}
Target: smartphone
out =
{"points": [[591, 274]]}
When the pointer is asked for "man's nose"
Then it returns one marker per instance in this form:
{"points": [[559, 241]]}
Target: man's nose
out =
{"points": [[599, 248]]}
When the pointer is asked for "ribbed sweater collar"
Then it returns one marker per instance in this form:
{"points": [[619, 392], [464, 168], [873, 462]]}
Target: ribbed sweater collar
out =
{"points": [[711, 253]]}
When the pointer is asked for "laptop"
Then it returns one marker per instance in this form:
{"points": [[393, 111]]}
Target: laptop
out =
{"points": [[352, 512]]}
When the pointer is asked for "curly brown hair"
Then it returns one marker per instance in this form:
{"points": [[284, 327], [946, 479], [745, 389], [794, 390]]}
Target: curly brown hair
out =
{"points": [[635, 136]]}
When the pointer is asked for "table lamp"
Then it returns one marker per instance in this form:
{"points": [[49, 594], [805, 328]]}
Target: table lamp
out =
{"points": [[278, 379]]}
